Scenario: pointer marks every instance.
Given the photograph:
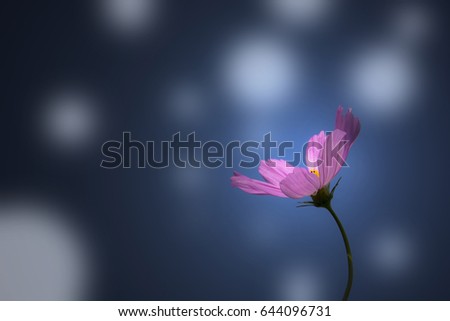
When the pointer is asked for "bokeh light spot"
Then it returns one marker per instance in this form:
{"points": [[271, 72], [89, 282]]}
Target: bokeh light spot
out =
{"points": [[260, 72], [412, 24], [69, 120], [392, 253], [304, 13], [383, 80], [299, 283], [128, 18], [43, 255]]}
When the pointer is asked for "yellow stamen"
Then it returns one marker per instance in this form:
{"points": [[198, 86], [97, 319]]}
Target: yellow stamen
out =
{"points": [[315, 171]]}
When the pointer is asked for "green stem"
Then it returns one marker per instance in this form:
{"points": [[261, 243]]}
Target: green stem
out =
{"points": [[349, 253]]}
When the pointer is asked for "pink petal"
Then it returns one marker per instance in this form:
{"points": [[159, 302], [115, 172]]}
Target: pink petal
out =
{"points": [[253, 186], [348, 123], [330, 166], [275, 170], [339, 123], [313, 148], [300, 183]]}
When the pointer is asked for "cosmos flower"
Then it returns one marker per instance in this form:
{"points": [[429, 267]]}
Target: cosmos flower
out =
{"points": [[325, 156]]}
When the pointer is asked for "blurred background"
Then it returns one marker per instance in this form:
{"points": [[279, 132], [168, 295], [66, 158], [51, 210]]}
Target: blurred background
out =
{"points": [[76, 74]]}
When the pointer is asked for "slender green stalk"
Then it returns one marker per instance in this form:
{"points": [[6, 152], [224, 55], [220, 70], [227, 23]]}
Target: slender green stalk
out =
{"points": [[349, 253]]}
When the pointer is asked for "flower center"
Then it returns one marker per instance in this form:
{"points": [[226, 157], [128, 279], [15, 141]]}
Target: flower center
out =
{"points": [[315, 171]]}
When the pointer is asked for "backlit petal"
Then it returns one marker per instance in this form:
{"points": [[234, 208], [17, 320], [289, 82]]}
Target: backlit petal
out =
{"points": [[331, 156], [300, 183], [253, 186], [275, 170], [313, 148], [348, 123]]}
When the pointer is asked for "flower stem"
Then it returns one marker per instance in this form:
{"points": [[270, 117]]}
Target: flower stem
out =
{"points": [[349, 253]]}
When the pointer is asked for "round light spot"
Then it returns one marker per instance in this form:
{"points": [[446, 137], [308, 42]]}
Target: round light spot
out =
{"points": [[383, 80], [260, 73], [299, 284], [392, 252], [304, 13], [128, 17], [43, 255], [69, 120], [412, 24]]}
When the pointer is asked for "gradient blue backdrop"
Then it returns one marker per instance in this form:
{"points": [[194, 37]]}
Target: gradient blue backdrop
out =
{"points": [[185, 234]]}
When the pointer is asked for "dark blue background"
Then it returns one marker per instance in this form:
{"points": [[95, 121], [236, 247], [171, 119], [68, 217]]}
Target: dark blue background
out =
{"points": [[175, 234]]}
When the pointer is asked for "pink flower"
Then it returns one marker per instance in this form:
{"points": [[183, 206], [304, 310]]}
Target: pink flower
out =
{"points": [[326, 154]]}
